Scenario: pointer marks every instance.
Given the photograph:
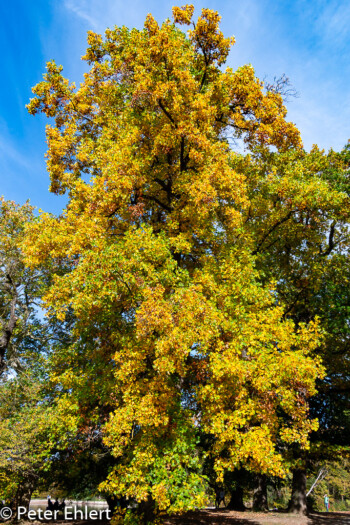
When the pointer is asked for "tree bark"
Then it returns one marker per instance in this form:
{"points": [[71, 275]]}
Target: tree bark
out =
{"points": [[236, 501], [146, 509], [260, 494], [23, 495], [112, 503], [297, 503], [7, 334]]}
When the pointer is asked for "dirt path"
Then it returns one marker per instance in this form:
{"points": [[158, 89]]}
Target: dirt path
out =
{"points": [[226, 517]]}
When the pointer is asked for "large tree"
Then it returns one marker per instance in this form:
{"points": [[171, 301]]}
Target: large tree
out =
{"points": [[176, 334]]}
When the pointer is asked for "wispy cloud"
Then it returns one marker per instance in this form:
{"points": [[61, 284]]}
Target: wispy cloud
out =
{"points": [[10, 152], [81, 9], [107, 13], [332, 21]]}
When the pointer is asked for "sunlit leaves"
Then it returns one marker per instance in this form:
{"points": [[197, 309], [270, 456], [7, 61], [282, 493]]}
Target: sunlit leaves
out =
{"points": [[175, 335]]}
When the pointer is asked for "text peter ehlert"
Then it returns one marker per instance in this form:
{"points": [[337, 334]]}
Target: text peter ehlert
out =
{"points": [[69, 513]]}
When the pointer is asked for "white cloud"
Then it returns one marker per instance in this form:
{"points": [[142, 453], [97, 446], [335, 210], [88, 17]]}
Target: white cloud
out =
{"points": [[332, 21], [9, 152], [79, 8], [100, 14]]}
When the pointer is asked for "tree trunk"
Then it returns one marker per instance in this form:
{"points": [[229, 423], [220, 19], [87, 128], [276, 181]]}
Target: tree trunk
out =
{"points": [[260, 494], [146, 509], [8, 331], [112, 503], [236, 501], [297, 503], [23, 495]]}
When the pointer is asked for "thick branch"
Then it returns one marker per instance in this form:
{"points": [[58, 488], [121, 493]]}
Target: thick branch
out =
{"points": [[6, 337], [154, 199], [182, 155], [331, 244], [166, 112], [272, 229]]}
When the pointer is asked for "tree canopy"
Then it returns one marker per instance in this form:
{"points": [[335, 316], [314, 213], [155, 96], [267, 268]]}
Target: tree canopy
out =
{"points": [[191, 269]]}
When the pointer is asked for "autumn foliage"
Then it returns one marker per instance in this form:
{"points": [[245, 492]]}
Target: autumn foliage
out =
{"points": [[180, 330]]}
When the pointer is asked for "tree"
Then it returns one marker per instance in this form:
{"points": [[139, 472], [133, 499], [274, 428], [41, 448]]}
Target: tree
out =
{"points": [[335, 483], [31, 422], [20, 289], [260, 494], [32, 431], [298, 221], [175, 334]]}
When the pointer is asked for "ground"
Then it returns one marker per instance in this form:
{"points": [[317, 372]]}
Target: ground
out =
{"points": [[226, 517]]}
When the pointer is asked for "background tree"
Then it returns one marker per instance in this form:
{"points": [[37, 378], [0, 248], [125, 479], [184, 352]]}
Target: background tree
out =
{"points": [[20, 289], [31, 423], [298, 220], [32, 430]]}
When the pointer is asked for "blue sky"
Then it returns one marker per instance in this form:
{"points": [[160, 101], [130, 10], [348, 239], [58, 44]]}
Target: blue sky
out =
{"points": [[307, 40]]}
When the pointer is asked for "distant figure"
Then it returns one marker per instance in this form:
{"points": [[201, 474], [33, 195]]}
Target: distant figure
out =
{"points": [[56, 505], [62, 505], [220, 497], [50, 505], [326, 502]]}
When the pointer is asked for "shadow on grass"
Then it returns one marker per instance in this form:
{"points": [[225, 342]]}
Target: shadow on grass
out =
{"points": [[226, 517], [329, 518], [210, 517]]}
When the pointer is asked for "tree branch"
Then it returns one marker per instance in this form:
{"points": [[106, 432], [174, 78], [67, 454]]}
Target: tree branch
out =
{"points": [[166, 112], [331, 244], [272, 229], [154, 199], [11, 325]]}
